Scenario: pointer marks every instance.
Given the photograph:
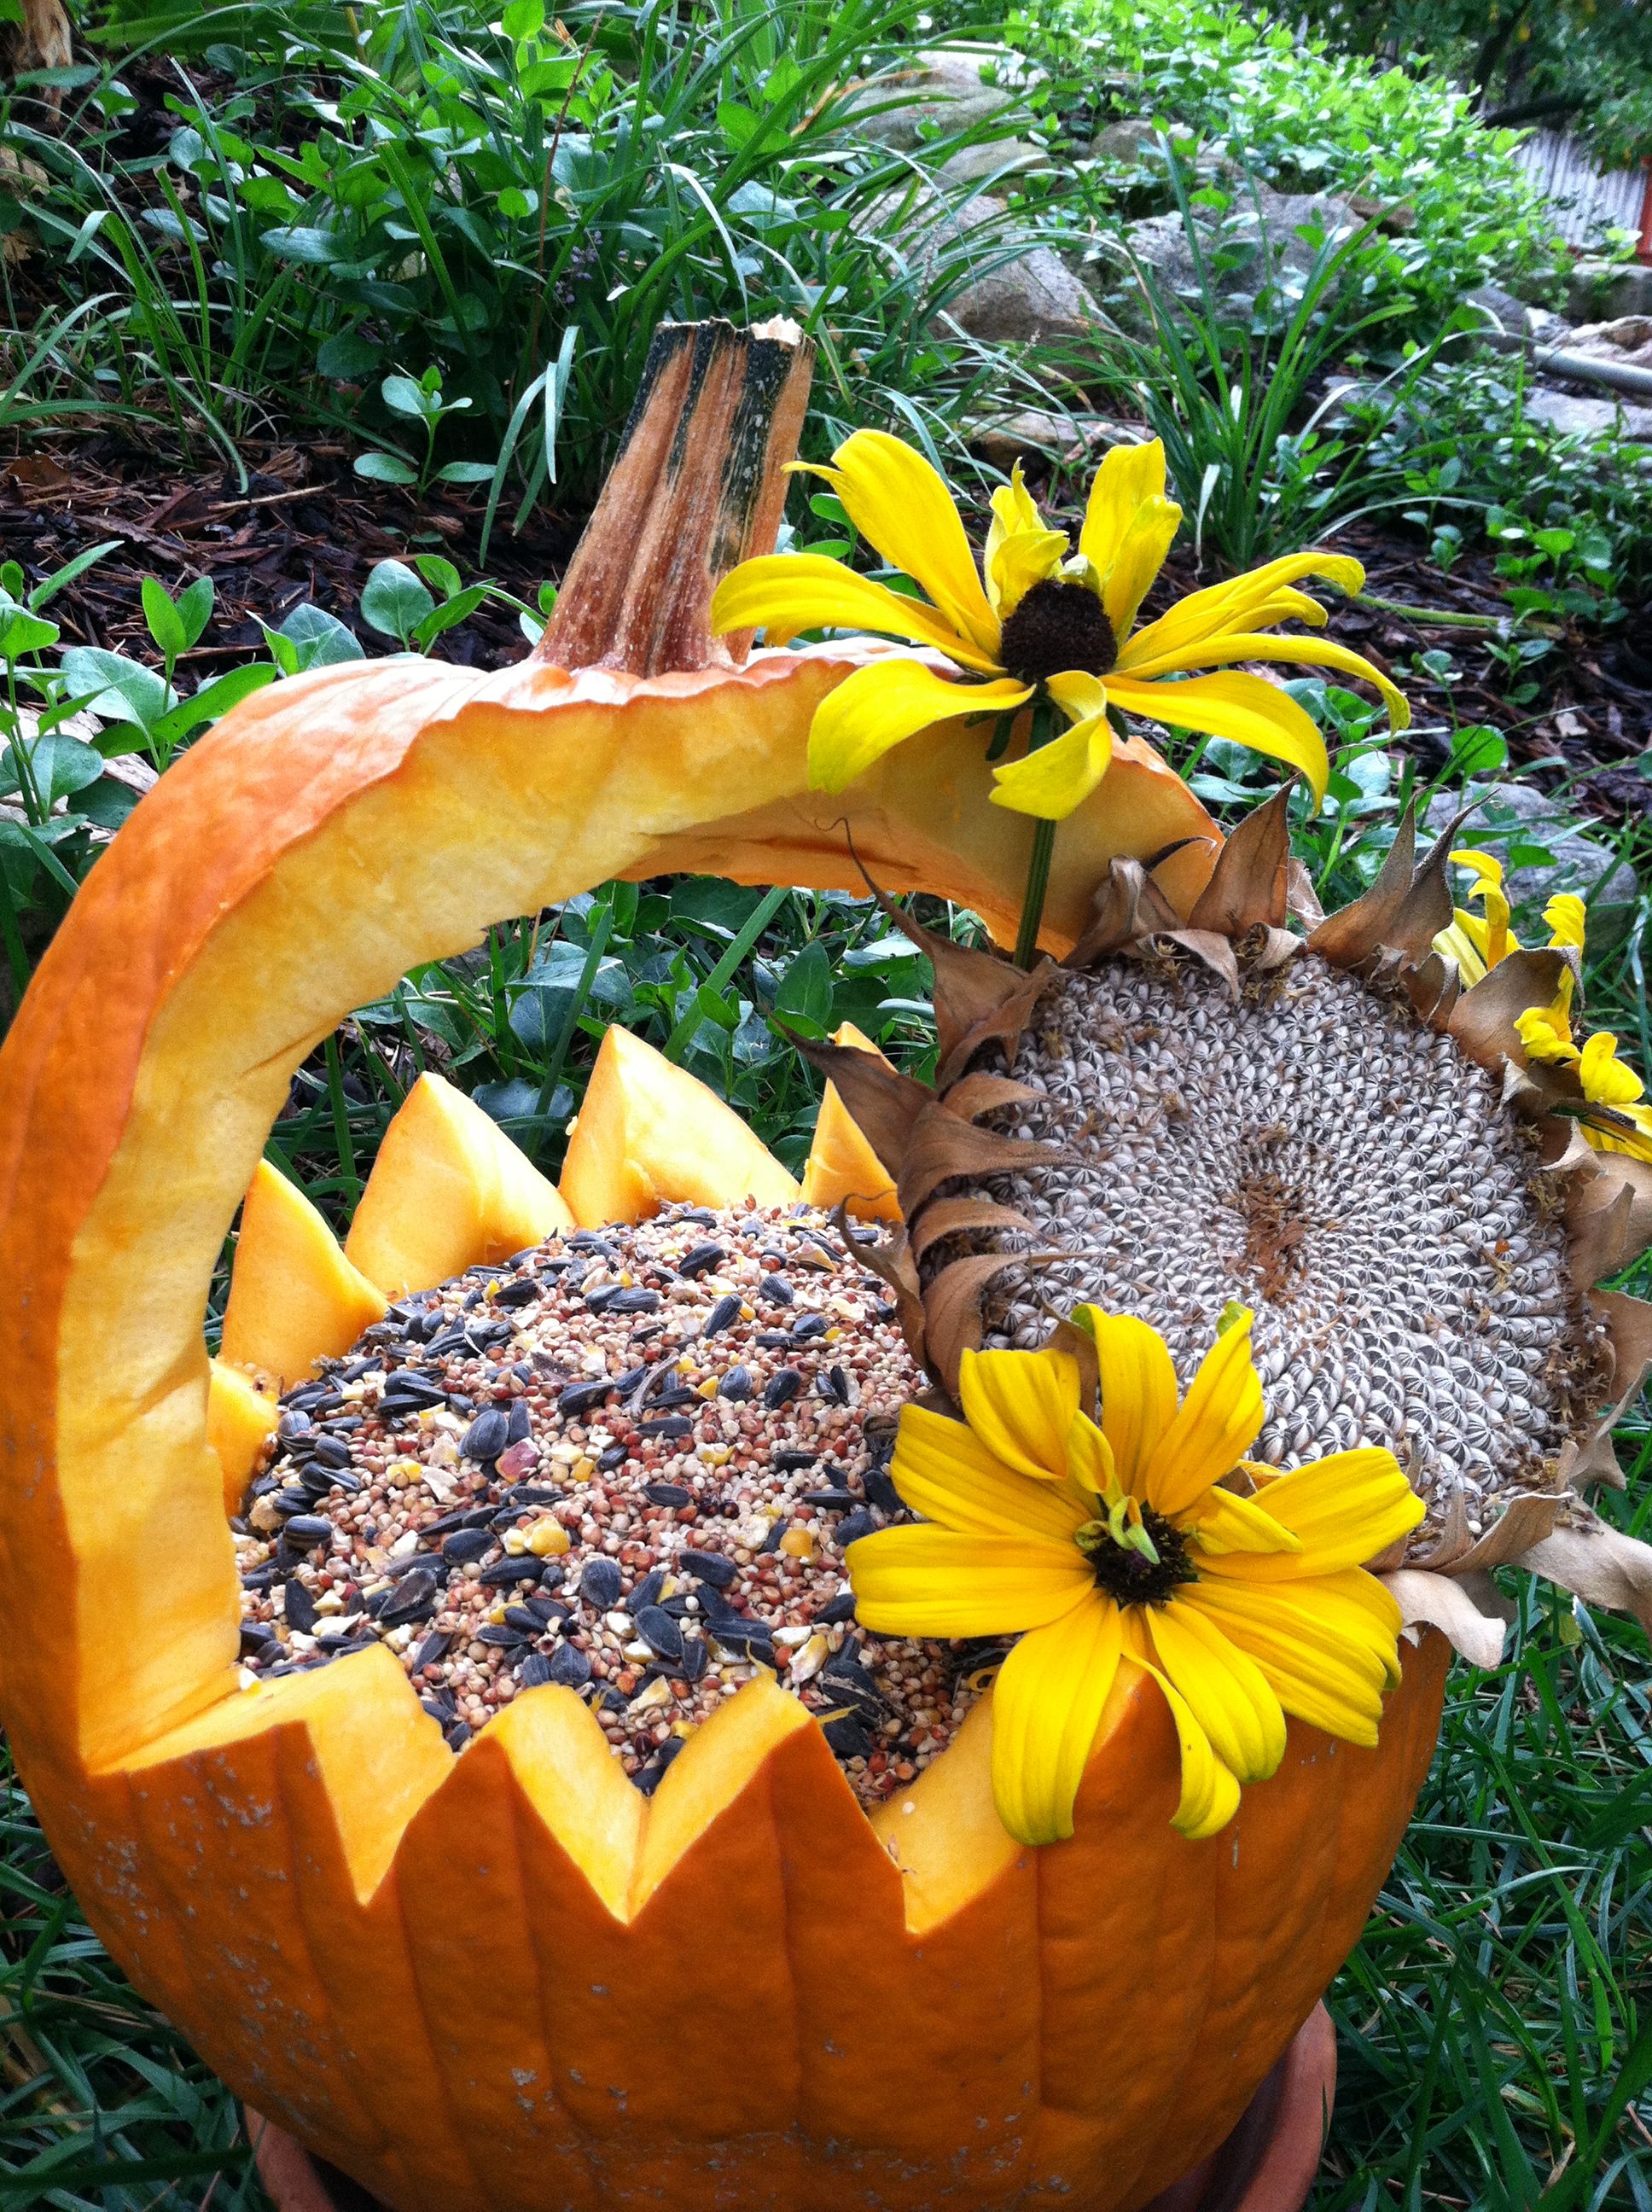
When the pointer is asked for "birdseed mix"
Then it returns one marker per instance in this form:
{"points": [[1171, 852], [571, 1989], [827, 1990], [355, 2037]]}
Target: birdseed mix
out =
{"points": [[629, 1463]]}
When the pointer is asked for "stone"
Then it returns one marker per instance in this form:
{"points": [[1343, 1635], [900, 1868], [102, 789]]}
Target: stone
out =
{"points": [[1602, 291], [1072, 440], [1514, 317], [1628, 340], [1134, 142], [993, 159], [1023, 290], [946, 89], [1588, 418], [1271, 222], [1519, 813]]}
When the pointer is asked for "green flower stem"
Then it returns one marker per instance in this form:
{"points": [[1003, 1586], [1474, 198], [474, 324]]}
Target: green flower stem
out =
{"points": [[1038, 866]]}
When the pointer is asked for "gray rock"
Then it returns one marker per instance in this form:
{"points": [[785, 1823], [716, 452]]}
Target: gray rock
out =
{"points": [[945, 89], [1601, 291], [992, 159], [1133, 140], [1271, 222], [1628, 340], [1023, 290], [1514, 318], [1072, 439], [1588, 418], [1519, 813]]}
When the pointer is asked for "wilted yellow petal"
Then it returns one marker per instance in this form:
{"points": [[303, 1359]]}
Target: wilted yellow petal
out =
{"points": [[1605, 1079], [1020, 1405], [1464, 941], [1047, 1706], [1226, 1689], [1210, 1791], [1219, 1419], [1296, 651], [1055, 780], [894, 498], [1221, 609], [943, 1471], [934, 1582], [1016, 563], [1146, 540], [1246, 709], [880, 706], [1128, 477], [782, 594], [1566, 916], [1224, 1521]]}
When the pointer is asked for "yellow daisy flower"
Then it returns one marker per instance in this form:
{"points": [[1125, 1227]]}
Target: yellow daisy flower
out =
{"points": [[1622, 1123], [1040, 625], [1146, 1538]]}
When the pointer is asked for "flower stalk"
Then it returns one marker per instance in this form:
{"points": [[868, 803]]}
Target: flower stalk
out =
{"points": [[1043, 848]]}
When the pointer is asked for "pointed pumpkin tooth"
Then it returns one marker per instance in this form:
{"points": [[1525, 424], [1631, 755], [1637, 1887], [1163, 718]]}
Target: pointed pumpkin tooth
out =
{"points": [[449, 1190], [842, 1167], [294, 1298], [650, 1135], [238, 1419]]}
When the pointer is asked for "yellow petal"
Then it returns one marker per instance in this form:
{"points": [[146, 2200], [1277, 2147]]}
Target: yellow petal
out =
{"points": [[1055, 780], [1210, 1791], [1605, 1081], [781, 593], [1236, 606], [896, 499], [1345, 1510], [1019, 1405], [1220, 1418], [1247, 709], [881, 706], [1047, 1706], [1077, 694], [1090, 1470], [1226, 1522], [1018, 562], [1303, 652], [1141, 553], [943, 1471], [934, 1582], [1566, 916], [1226, 1689], [1464, 941], [1128, 477], [1326, 1656], [1138, 1390]]}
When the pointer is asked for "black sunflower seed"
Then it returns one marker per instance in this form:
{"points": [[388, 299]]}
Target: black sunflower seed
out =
{"points": [[807, 1325], [586, 1240], [413, 1598], [525, 1623], [726, 1310], [434, 1647], [518, 1423], [582, 1398], [569, 1666], [503, 1573], [701, 1257], [296, 1423], [789, 1462], [660, 1633], [673, 1424], [774, 1339], [487, 1436], [735, 1632], [535, 1671], [880, 1490], [781, 1388], [475, 1518], [853, 1526], [830, 1501], [615, 1455], [521, 1292], [646, 1591], [697, 1657], [301, 1613], [501, 1638], [667, 1494], [847, 1737], [458, 1735], [841, 1608], [547, 1612], [834, 1385], [599, 1584], [777, 1290], [550, 1575], [648, 1778], [258, 1638], [771, 1543], [635, 1300], [292, 1500], [307, 1529], [467, 1544], [711, 1567], [736, 1385]]}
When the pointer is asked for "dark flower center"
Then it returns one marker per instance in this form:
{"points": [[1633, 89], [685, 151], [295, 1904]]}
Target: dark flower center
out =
{"points": [[1130, 1577], [1057, 626]]}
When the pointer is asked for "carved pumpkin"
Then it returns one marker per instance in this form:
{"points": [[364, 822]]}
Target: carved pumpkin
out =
{"points": [[505, 1979]]}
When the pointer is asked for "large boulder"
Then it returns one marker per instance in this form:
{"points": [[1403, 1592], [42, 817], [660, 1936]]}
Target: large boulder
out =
{"points": [[1012, 288], [1602, 291], [946, 89], [1281, 234], [1519, 814], [1588, 418]]}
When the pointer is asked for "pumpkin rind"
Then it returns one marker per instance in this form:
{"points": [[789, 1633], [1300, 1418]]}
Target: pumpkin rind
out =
{"points": [[399, 1954]]}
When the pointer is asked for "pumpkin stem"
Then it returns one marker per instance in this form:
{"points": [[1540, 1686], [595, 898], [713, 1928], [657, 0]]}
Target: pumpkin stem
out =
{"points": [[699, 487]]}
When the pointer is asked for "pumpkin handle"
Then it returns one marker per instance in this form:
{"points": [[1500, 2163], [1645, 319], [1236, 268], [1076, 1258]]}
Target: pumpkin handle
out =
{"points": [[699, 486]]}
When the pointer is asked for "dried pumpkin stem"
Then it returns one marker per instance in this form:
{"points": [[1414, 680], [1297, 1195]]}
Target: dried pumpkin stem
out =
{"points": [[699, 486]]}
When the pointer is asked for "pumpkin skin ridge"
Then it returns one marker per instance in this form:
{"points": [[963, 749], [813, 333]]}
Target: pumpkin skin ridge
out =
{"points": [[86, 1789]]}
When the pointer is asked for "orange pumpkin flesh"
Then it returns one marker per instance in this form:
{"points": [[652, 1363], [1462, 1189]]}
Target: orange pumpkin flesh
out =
{"points": [[842, 1167], [466, 1979], [294, 1298]]}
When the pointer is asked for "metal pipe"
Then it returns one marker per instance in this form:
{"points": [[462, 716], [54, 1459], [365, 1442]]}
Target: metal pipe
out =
{"points": [[1616, 376]]}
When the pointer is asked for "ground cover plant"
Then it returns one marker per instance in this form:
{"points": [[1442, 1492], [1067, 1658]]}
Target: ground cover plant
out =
{"points": [[474, 228]]}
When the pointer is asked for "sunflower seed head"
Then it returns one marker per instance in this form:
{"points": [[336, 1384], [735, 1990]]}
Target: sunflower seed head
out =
{"points": [[1317, 1152]]}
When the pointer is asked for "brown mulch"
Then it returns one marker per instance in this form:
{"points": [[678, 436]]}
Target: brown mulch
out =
{"points": [[305, 528]]}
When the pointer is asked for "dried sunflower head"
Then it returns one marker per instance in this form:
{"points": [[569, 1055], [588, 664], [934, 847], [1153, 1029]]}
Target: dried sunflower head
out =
{"points": [[1320, 1122]]}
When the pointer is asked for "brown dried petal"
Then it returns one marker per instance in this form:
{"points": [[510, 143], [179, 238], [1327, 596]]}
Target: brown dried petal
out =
{"points": [[1442, 1603], [1482, 1020], [983, 1093], [952, 1322], [1127, 906], [1598, 1563], [1249, 882], [884, 1105], [1354, 933], [959, 1217], [942, 1145]]}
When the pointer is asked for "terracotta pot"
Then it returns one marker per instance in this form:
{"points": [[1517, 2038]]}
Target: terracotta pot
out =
{"points": [[1267, 2165]]}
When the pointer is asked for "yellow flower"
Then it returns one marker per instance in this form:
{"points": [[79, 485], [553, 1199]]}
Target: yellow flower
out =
{"points": [[1623, 1123], [1098, 1544], [1476, 942], [1041, 625]]}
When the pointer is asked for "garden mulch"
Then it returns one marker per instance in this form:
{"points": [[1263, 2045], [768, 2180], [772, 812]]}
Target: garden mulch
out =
{"points": [[303, 527]]}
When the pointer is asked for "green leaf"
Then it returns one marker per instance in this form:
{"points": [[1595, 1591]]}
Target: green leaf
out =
{"points": [[384, 468], [1478, 750], [317, 249], [738, 125], [21, 632], [465, 472], [518, 203], [58, 767], [162, 616], [346, 357], [107, 802], [805, 993], [710, 904], [120, 690], [440, 573], [315, 639], [213, 701], [194, 608], [455, 611], [523, 19], [394, 601], [403, 395]]}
